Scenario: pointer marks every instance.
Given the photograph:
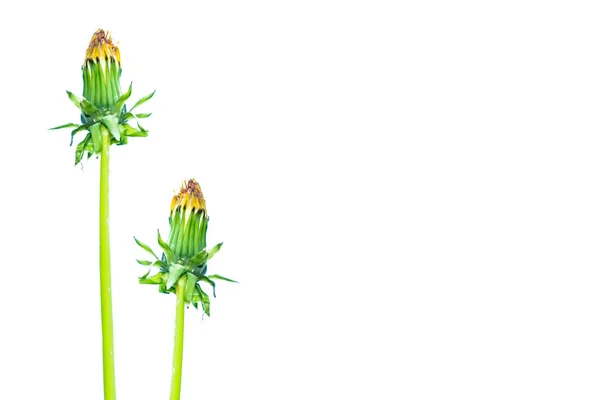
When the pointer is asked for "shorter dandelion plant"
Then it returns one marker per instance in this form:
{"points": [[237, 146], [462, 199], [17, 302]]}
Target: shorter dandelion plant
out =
{"points": [[183, 265]]}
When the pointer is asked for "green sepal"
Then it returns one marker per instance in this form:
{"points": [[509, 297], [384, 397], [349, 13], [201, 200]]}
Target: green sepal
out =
{"points": [[121, 102], [210, 282], [145, 247], [221, 278], [140, 127], [205, 255], [200, 270], [204, 300], [133, 132], [203, 228], [89, 109], [112, 124], [153, 280], [199, 258], [121, 142], [162, 288], [214, 250], [81, 147], [125, 117], [175, 272], [166, 248], [76, 131], [190, 285], [159, 263], [96, 137], [131, 115], [74, 99], [70, 125], [143, 100]]}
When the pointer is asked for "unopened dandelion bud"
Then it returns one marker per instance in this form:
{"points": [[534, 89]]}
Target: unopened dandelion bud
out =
{"points": [[102, 72], [188, 221], [183, 264], [102, 108]]}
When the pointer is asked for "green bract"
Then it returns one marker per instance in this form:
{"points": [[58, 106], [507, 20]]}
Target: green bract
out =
{"points": [[184, 255], [102, 106]]}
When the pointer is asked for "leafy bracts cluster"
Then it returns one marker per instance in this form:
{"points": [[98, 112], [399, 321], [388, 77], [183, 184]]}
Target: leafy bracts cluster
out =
{"points": [[185, 256], [102, 107]]}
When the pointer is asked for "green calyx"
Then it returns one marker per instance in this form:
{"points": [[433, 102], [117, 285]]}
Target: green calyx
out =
{"points": [[95, 119], [172, 268], [102, 106], [184, 255]]}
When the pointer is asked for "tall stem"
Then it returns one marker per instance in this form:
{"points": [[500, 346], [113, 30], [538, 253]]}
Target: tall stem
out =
{"points": [[108, 359], [178, 346]]}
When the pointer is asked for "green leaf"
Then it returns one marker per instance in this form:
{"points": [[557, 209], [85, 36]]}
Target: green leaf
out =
{"points": [[112, 124], [145, 247], [96, 137], [71, 125], [121, 102], [166, 248], [145, 275], [143, 100], [76, 100], [190, 285], [144, 262], [221, 278], [204, 299], [175, 273], [143, 115], [210, 282]]}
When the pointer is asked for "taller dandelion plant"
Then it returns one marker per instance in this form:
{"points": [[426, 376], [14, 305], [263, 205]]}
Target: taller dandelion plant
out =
{"points": [[105, 121], [183, 265]]}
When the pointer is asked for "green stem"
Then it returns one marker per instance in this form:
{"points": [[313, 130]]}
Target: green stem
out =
{"points": [[178, 346], [108, 359]]}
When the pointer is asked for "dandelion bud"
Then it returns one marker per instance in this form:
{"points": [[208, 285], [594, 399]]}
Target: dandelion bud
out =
{"points": [[102, 72], [188, 221]]}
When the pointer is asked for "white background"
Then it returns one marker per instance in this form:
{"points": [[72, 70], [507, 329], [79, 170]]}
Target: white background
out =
{"points": [[407, 192]]}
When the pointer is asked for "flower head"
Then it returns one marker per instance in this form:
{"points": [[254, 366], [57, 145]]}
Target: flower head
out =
{"points": [[102, 72], [189, 198], [101, 48], [188, 220]]}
